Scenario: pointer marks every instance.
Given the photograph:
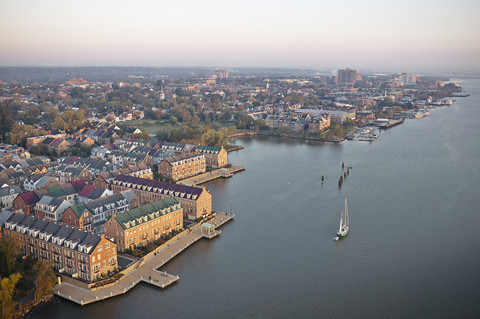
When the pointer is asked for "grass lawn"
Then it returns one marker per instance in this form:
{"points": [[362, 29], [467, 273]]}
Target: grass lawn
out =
{"points": [[151, 126]]}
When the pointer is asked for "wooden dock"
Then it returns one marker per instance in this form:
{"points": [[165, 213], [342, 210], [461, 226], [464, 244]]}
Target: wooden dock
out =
{"points": [[225, 172], [146, 270]]}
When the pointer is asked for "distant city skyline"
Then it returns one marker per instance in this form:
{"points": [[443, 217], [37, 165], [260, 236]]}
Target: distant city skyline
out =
{"points": [[411, 35]]}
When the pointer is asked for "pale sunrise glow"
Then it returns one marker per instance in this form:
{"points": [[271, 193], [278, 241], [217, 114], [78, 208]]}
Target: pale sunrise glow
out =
{"points": [[425, 35]]}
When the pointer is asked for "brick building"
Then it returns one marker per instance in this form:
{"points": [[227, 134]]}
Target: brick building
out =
{"points": [[92, 215], [105, 179], [144, 224], [25, 202], [183, 166], [215, 157], [196, 201], [74, 252]]}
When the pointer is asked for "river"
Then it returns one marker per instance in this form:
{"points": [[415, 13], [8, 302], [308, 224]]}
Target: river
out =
{"points": [[413, 250]]}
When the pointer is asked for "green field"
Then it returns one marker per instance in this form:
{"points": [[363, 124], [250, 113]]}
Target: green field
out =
{"points": [[151, 126], [154, 126]]}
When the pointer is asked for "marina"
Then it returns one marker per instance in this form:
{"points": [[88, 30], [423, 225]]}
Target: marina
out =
{"points": [[366, 134]]}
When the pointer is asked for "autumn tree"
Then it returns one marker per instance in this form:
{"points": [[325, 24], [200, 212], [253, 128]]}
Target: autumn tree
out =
{"points": [[44, 278]]}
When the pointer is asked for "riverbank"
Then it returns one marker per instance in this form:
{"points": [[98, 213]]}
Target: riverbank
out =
{"points": [[286, 135], [30, 306]]}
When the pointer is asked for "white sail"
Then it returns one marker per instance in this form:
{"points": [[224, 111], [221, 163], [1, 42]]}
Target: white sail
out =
{"points": [[347, 223], [344, 221]]}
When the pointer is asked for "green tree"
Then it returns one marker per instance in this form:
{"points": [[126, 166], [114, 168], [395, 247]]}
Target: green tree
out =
{"points": [[144, 136], [73, 119], [19, 133], [9, 253], [262, 125], [6, 294], [60, 124], [337, 130]]}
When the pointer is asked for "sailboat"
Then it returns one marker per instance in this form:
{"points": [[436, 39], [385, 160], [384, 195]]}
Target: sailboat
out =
{"points": [[344, 223]]}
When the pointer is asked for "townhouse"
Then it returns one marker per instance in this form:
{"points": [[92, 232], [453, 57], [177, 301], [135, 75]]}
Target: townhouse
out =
{"points": [[74, 252], [50, 208], [215, 157], [92, 215], [183, 166], [8, 194], [196, 201], [105, 179], [144, 224], [39, 181]]}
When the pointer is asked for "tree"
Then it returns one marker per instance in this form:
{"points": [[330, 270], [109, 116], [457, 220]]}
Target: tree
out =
{"points": [[144, 136], [262, 125], [6, 121], [73, 119], [60, 124], [44, 278], [9, 253], [6, 293], [19, 133], [337, 130]]}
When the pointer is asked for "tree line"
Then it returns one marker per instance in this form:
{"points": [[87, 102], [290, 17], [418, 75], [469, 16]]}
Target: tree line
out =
{"points": [[27, 279]]}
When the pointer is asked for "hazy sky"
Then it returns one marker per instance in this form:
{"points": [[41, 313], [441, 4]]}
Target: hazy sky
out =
{"points": [[411, 35]]}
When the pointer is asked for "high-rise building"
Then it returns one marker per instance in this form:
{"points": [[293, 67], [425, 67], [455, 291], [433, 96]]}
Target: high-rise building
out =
{"points": [[348, 76], [222, 74], [407, 79]]}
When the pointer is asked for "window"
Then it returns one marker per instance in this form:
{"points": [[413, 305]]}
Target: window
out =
{"points": [[107, 245]]}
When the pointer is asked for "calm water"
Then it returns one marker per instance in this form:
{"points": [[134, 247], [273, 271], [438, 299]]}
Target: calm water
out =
{"points": [[412, 251]]}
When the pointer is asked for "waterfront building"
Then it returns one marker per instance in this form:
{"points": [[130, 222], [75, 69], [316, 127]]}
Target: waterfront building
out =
{"points": [[196, 201], [319, 123], [215, 157], [183, 166], [336, 116], [74, 252], [92, 215], [144, 224], [364, 115]]}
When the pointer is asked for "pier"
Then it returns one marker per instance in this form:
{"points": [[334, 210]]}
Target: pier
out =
{"points": [[225, 172], [144, 270]]}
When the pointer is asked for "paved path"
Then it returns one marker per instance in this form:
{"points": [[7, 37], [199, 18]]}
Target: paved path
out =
{"points": [[145, 271]]}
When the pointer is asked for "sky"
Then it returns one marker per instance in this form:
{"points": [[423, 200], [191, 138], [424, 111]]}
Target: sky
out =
{"points": [[408, 35]]}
